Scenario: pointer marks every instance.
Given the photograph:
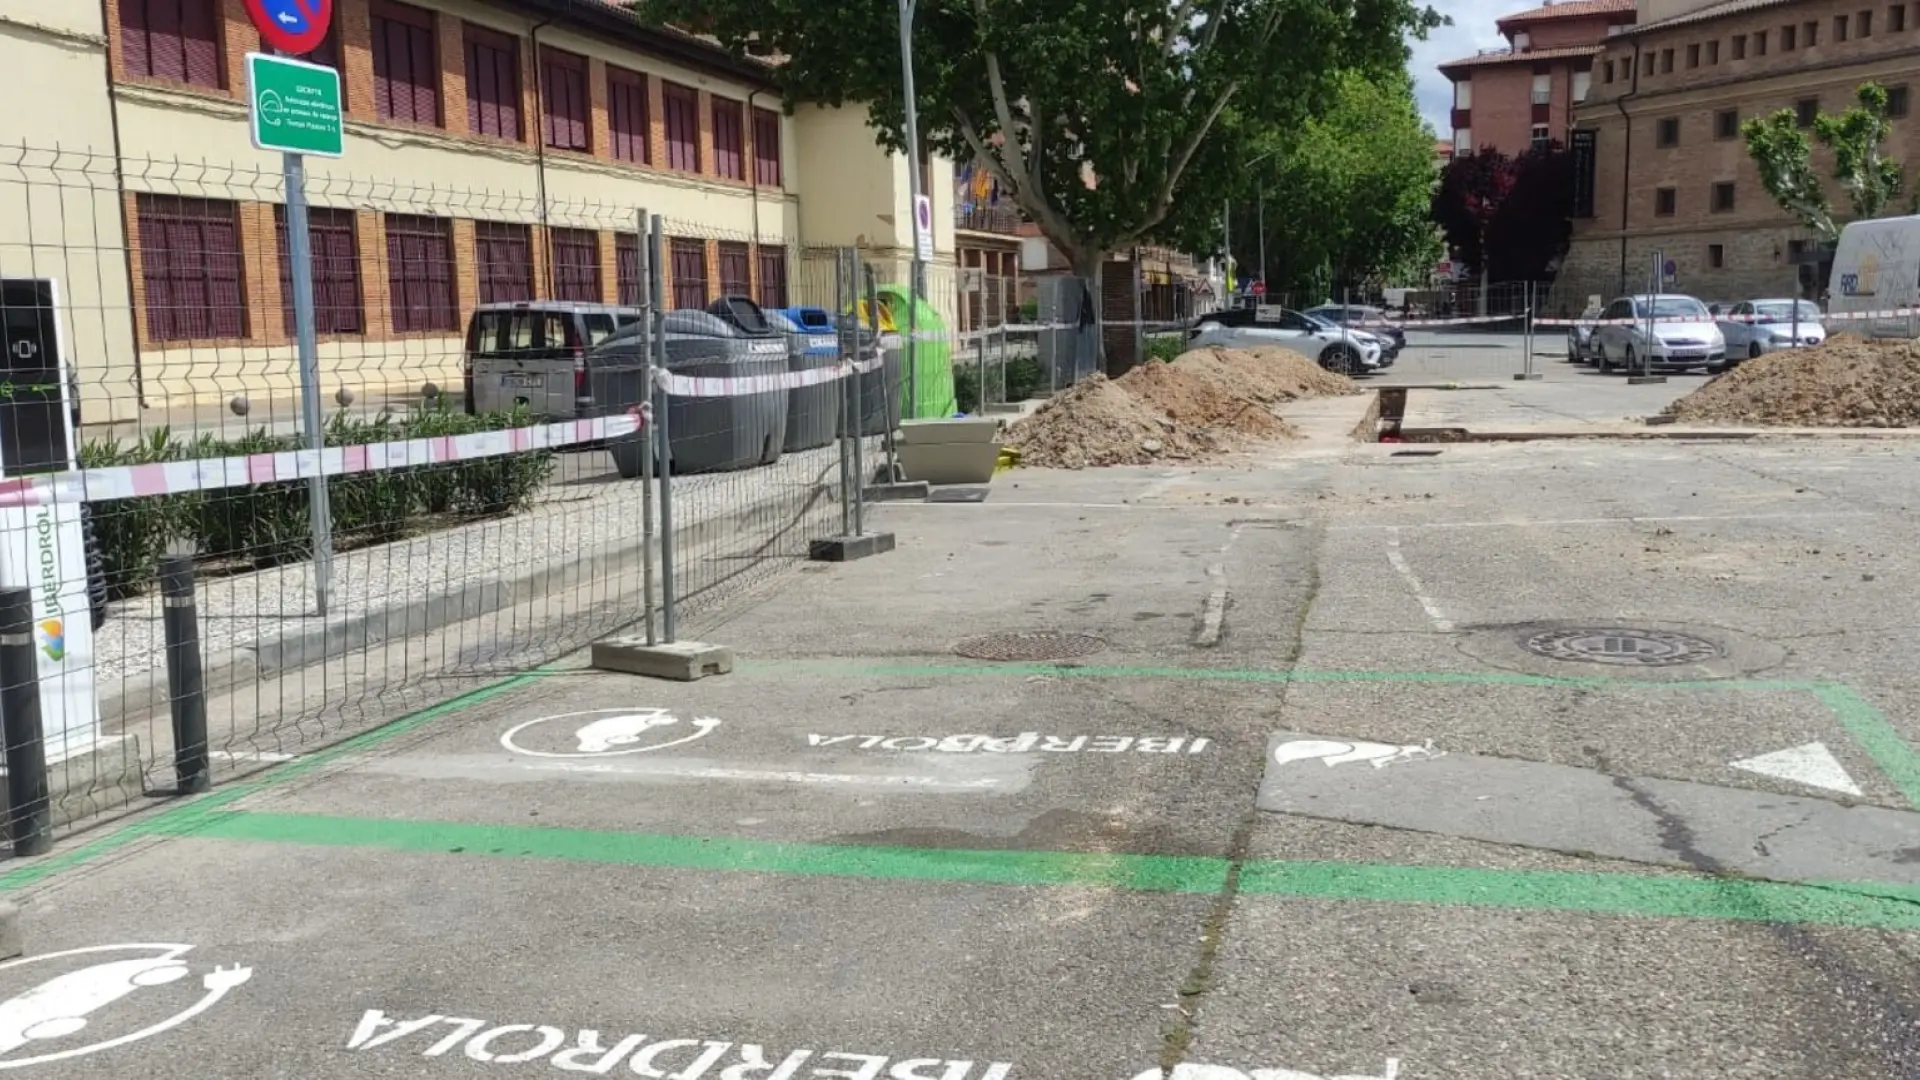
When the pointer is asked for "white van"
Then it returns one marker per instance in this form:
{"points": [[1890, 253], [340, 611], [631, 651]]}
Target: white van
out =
{"points": [[1876, 268]]}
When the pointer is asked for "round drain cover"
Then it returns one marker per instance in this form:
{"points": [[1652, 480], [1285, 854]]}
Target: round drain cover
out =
{"points": [[1029, 645], [1626, 646]]}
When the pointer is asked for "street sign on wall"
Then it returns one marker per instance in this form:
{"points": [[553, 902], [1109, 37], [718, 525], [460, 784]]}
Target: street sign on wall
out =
{"points": [[294, 107], [295, 27]]}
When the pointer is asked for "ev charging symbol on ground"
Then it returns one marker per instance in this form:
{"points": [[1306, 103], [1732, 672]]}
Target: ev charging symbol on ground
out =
{"points": [[143, 992], [599, 733]]}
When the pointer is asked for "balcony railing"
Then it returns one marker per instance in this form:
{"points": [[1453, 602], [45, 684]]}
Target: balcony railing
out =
{"points": [[993, 219]]}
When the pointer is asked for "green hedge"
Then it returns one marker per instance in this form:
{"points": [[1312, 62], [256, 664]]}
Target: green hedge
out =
{"points": [[1024, 375], [266, 524]]}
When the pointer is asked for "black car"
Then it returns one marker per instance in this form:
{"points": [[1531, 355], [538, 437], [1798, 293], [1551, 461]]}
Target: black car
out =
{"points": [[1372, 320]]}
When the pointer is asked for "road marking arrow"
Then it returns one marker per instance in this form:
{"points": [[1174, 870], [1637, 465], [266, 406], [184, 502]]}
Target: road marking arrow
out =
{"points": [[1813, 765]]}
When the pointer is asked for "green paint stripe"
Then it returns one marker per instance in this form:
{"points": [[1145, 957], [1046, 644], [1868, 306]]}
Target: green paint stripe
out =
{"points": [[1870, 728], [184, 816], [1433, 678], [1873, 906]]}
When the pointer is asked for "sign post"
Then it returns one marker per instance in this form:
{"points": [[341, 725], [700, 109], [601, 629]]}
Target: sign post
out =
{"points": [[295, 108]]}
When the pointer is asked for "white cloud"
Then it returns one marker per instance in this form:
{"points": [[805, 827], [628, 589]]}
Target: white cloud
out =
{"points": [[1472, 30]]}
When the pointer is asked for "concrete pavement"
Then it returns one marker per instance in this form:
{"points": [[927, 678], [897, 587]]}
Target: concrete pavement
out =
{"points": [[871, 853]]}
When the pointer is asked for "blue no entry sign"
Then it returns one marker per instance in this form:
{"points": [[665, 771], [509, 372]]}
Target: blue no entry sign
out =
{"points": [[292, 26]]}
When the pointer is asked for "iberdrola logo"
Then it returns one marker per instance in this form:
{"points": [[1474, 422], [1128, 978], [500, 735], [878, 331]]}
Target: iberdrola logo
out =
{"points": [[53, 639]]}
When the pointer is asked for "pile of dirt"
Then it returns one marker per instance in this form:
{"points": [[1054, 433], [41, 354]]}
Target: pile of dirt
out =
{"points": [[1206, 401], [1845, 382]]}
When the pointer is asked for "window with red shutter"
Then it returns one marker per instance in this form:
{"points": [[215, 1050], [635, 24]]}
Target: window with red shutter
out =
{"points": [[682, 106], [628, 122], [177, 40], [190, 264], [576, 265], [493, 84], [735, 266], [626, 264], [563, 100], [503, 258], [773, 277], [689, 273], [420, 274], [729, 140], [336, 270], [766, 148], [406, 70]]}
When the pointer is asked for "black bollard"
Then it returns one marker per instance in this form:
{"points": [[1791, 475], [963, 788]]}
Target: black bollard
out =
{"points": [[30, 823], [185, 687]]}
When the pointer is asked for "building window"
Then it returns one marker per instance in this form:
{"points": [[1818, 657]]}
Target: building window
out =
{"points": [[1789, 38], [190, 264], [1713, 52], [689, 268], [1805, 110], [1898, 101], [1726, 124], [177, 40], [1739, 46], [729, 140], [1839, 28], [1522, 41], [1463, 94], [736, 269], [493, 84], [335, 247], [1723, 196], [629, 125], [773, 277], [1664, 201], [503, 262], [1760, 43], [420, 274], [1666, 61], [1896, 18], [575, 254], [1462, 142], [1667, 132], [564, 110], [766, 148], [1693, 56], [626, 268], [1809, 34], [1542, 87], [406, 76], [682, 106], [1539, 137], [1606, 71], [1716, 256], [1863, 24], [1582, 85]]}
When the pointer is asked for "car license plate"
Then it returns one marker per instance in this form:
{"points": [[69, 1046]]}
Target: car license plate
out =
{"points": [[521, 381]]}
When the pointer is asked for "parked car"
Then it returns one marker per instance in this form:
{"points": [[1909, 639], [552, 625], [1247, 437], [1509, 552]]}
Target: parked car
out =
{"points": [[1335, 348], [534, 355], [1668, 332], [1370, 320], [1754, 328]]}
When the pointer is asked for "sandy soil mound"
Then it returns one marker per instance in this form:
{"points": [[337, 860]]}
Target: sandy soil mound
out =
{"points": [[1845, 382], [1206, 401]]}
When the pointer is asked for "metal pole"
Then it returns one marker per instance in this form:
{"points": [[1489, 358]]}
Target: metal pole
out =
{"points": [[662, 438], [29, 818], [1261, 211], [300, 256], [849, 406], [859, 492], [1226, 262], [1653, 291], [886, 385], [650, 330], [1526, 369], [186, 693], [917, 285]]}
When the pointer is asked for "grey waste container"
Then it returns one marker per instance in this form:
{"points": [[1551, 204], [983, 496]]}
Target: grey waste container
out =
{"points": [[617, 373], [713, 434], [813, 412]]}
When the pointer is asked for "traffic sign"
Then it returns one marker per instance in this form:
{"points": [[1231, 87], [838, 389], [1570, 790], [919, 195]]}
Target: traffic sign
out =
{"points": [[294, 106], [294, 27], [923, 228], [1259, 288]]}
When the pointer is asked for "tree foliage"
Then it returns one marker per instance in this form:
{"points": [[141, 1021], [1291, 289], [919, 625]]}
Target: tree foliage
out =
{"points": [[1108, 122], [1344, 196], [1510, 218], [1782, 152]]}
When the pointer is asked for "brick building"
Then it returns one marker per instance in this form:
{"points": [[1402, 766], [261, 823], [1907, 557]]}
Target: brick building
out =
{"points": [[1670, 170], [1524, 95]]}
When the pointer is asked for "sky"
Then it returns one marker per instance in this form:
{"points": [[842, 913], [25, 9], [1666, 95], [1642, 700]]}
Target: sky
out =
{"points": [[1471, 31]]}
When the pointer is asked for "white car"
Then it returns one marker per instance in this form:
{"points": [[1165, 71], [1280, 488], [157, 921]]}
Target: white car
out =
{"points": [[1667, 332], [1348, 352], [1754, 328]]}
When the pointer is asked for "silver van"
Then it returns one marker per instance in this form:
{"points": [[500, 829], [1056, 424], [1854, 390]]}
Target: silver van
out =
{"points": [[533, 355]]}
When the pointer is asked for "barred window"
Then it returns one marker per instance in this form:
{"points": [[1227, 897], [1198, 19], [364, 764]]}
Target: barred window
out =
{"points": [[335, 247], [191, 266]]}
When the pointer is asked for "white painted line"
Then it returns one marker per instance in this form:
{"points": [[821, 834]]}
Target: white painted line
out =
{"points": [[249, 755], [788, 776], [1427, 604], [1812, 764], [1548, 523]]}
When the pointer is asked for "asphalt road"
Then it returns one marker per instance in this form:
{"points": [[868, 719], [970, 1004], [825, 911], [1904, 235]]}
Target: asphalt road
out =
{"points": [[1662, 694]]}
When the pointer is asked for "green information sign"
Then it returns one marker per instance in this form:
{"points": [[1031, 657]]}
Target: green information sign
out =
{"points": [[295, 106]]}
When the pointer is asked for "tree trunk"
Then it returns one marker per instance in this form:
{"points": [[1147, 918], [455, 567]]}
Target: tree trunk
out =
{"points": [[1087, 268]]}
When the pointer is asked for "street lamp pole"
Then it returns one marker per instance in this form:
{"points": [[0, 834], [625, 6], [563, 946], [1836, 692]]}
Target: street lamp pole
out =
{"points": [[917, 286]]}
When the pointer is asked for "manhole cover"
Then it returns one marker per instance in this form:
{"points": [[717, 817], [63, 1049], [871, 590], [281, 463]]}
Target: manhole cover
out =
{"points": [[1029, 645], [1622, 645]]}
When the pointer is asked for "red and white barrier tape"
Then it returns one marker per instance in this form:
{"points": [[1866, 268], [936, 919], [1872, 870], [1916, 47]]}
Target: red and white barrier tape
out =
{"points": [[740, 386]]}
